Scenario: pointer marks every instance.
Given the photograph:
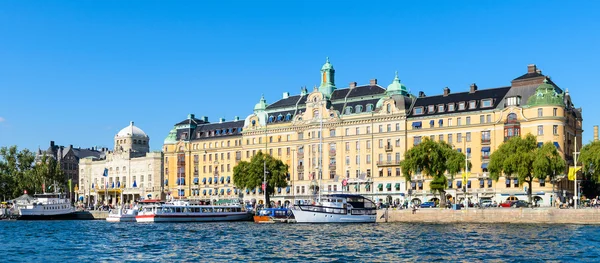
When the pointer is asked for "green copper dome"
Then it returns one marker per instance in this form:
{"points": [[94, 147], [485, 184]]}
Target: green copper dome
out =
{"points": [[261, 105], [396, 87], [327, 65], [545, 94], [172, 137]]}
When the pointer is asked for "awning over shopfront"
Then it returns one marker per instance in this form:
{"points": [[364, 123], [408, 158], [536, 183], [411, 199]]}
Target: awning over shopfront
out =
{"points": [[397, 186], [388, 186]]}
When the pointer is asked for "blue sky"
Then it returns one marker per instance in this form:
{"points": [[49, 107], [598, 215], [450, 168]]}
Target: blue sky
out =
{"points": [[76, 72]]}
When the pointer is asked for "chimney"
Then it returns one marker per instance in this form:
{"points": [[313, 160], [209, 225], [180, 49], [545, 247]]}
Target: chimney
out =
{"points": [[531, 68], [286, 95], [373, 82], [236, 118], [446, 91], [221, 120], [353, 84], [595, 133], [422, 94], [204, 118], [190, 116], [473, 88], [51, 143], [70, 146]]}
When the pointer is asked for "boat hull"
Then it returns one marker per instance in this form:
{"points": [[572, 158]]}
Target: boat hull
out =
{"points": [[319, 217], [194, 218], [122, 218], [68, 216]]}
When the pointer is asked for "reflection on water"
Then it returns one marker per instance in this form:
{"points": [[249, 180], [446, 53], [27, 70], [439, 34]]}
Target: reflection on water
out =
{"points": [[84, 241]]}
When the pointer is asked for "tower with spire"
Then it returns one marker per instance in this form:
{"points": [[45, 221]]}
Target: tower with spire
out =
{"points": [[327, 79]]}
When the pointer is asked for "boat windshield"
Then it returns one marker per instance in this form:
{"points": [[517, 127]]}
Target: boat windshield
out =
{"points": [[361, 202]]}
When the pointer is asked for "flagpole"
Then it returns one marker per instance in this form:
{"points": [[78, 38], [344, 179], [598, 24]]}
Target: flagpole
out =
{"points": [[575, 192]]}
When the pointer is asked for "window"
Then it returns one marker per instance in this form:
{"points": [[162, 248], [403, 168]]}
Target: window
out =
{"points": [[380, 128], [368, 159], [300, 135], [369, 107], [486, 103], [368, 144], [347, 160], [481, 118], [418, 110], [358, 108], [417, 140], [347, 146], [431, 109], [449, 122], [347, 131], [441, 108], [368, 172], [397, 171], [397, 142], [488, 118], [348, 110], [397, 126], [461, 106], [450, 138], [540, 130], [459, 137], [441, 137], [441, 123], [472, 104], [431, 137], [554, 111], [468, 121], [358, 159], [458, 121], [485, 136], [555, 129], [450, 106], [540, 112], [542, 182], [389, 172], [397, 157], [357, 131], [513, 101], [389, 128], [380, 143], [388, 108], [468, 137], [358, 145]]}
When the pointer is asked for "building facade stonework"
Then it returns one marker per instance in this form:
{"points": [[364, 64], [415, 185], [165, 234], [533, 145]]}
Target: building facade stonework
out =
{"points": [[353, 139], [133, 172]]}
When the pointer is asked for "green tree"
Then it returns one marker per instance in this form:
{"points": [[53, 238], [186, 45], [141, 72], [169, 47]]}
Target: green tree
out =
{"points": [[590, 159], [249, 175], [15, 168], [521, 159], [434, 159]]}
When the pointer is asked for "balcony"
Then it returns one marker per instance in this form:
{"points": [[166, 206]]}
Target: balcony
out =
{"points": [[388, 148], [331, 152], [485, 140], [388, 163], [300, 155], [332, 166], [300, 168]]}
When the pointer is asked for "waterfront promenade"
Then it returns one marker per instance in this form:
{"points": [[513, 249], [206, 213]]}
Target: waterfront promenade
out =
{"points": [[493, 215]]}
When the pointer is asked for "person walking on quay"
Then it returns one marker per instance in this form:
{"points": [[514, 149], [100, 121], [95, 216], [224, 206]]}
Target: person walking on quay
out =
{"points": [[414, 209]]}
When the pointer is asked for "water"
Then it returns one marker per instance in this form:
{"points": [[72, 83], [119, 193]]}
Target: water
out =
{"points": [[99, 241]]}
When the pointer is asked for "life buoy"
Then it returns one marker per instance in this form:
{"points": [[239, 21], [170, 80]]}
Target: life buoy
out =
{"points": [[344, 182]]}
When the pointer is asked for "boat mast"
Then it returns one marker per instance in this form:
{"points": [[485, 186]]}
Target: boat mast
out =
{"points": [[320, 168]]}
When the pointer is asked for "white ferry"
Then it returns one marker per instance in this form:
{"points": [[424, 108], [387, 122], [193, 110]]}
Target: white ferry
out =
{"points": [[337, 208], [124, 214], [183, 211], [45, 206]]}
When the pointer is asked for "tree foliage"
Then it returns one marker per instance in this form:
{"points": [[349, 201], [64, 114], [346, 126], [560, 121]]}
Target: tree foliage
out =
{"points": [[249, 175], [590, 159], [434, 159], [19, 173], [521, 159]]}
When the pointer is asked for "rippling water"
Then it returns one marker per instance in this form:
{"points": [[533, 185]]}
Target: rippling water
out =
{"points": [[99, 241]]}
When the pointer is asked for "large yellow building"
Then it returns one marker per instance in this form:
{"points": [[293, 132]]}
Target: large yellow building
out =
{"points": [[364, 131]]}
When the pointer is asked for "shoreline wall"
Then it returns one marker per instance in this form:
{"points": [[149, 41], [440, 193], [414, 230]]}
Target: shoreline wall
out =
{"points": [[493, 215]]}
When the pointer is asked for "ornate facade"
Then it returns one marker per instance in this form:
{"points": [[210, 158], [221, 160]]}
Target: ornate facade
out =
{"points": [[132, 171], [353, 139]]}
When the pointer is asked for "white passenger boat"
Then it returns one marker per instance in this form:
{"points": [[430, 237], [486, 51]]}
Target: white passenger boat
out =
{"points": [[46, 206], [337, 208], [184, 211], [123, 215]]}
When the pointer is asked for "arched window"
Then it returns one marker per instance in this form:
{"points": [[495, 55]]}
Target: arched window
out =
{"points": [[358, 108], [512, 117], [271, 118], [369, 107], [348, 110], [253, 122], [316, 114], [240, 129], [389, 108], [288, 117], [279, 117], [218, 132]]}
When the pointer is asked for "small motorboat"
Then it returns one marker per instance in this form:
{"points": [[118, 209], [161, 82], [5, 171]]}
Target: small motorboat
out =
{"points": [[274, 215]]}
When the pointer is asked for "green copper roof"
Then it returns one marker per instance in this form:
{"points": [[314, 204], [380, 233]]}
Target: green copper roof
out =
{"points": [[172, 137], [396, 87], [545, 94], [327, 65], [261, 105]]}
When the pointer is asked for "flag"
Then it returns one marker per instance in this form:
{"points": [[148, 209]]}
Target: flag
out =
{"points": [[464, 178], [105, 174], [70, 185], [572, 172]]}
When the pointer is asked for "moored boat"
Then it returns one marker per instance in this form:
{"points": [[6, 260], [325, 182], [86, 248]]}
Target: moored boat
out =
{"points": [[274, 215], [184, 211], [129, 214], [337, 208], [46, 206]]}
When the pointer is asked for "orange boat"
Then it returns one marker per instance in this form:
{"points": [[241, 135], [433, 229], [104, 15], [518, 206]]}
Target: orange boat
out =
{"points": [[274, 215]]}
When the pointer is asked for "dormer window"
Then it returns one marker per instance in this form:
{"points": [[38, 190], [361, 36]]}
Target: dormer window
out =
{"points": [[279, 117], [441, 108], [461, 106], [450, 106], [513, 101], [358, 108], [348, 110], [288, 117], [486, 103], [271, 118], [369, 107], [472, 104], [418, 110], [431, 109]]}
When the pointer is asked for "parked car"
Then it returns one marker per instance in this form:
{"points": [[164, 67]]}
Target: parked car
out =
{"points": [[427, 204], [520, 203], [487, 203], [506, 203]]}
